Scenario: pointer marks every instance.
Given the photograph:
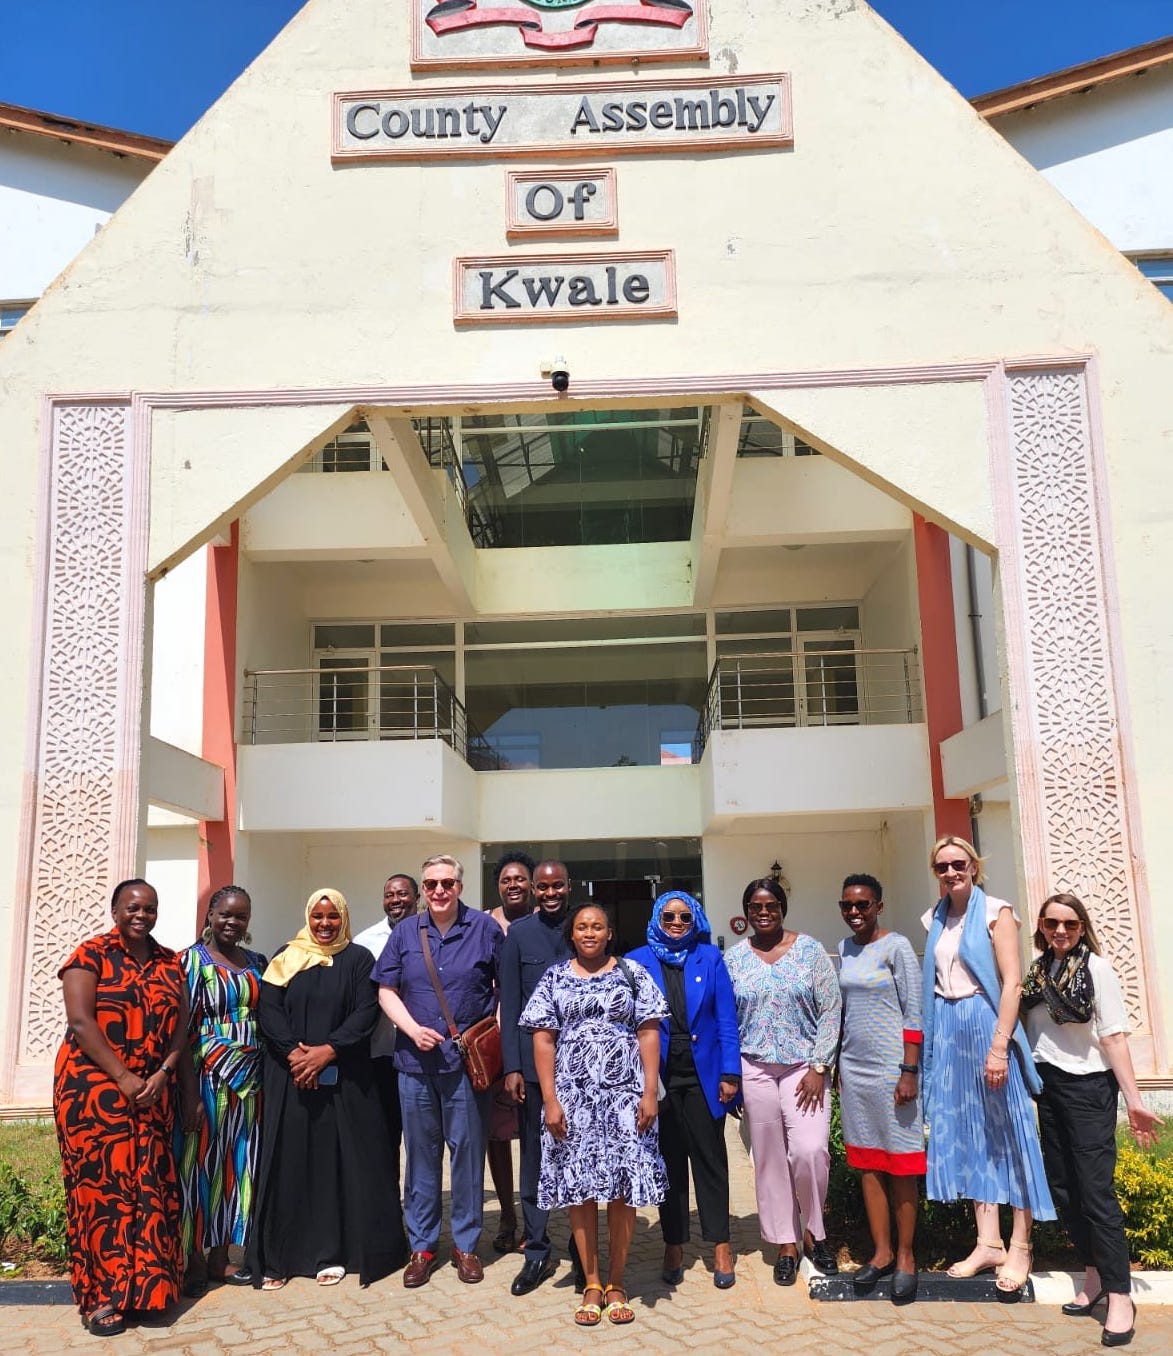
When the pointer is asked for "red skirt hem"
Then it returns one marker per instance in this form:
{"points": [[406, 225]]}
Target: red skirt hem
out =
{"points": [[880, 1160]]}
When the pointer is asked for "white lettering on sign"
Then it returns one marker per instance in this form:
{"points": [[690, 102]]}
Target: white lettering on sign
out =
{"points": [[612, 117], [561, 202], [513, 289]]}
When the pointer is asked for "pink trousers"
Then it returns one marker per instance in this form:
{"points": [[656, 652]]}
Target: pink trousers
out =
{"points": [[791, 1159]]}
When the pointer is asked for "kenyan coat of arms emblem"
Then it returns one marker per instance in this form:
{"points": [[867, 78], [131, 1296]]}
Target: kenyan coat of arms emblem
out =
{"points": [[470, 33]]}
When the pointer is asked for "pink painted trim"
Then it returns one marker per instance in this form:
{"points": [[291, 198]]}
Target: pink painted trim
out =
{"points": [[517, 226], [784, 137], [1115, 648], [686, 51], [564, 314]]}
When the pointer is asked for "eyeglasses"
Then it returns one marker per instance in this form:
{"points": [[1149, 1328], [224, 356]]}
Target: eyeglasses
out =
{"points": [[431, 886], [961, 864], [676, 918], [854, 906], [1060, 924]]}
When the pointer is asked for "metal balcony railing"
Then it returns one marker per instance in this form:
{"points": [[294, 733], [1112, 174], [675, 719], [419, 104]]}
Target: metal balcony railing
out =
{"points": [[821, 683], [347, 700]]}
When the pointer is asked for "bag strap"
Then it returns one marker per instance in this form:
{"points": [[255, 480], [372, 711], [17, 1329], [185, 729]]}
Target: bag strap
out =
{"points": [[453, 1030], [628, 975]]}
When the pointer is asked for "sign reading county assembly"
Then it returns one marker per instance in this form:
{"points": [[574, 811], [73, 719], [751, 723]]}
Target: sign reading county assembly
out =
{"points": [[594, 118], [636, 285], [558, 32]]}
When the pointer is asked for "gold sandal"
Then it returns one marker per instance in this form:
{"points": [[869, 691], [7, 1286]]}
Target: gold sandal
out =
{"points": [[961, 1272], [618, 1311], [588, 1315], [1009, 1282]]}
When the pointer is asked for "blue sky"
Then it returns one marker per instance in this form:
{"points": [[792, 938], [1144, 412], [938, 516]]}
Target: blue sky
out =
{"points": [[154, 66]]}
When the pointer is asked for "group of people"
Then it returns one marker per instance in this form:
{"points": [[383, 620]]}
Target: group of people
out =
{"points": [[218, 1100]]}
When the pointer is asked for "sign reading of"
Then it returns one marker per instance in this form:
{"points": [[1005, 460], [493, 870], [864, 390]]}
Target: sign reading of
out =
{"points": [[561, 202], [469, 33], [636, 285], [608, 117]]}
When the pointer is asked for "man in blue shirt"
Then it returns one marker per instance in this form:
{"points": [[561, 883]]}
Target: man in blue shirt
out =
{"points": [[439, 1104], [532, 945]]}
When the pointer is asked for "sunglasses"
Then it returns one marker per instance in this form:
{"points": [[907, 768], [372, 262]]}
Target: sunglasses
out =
{"points": [[961, 864], [854, 906], [448, 883], [676, 918], [1060, 924]]}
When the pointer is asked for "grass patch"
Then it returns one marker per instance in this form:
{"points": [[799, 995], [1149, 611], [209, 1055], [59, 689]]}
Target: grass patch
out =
{"points": [[32, 1200]]}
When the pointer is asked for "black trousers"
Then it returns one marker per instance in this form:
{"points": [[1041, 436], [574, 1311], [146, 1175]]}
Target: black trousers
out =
{"points": [[689, 1134], [1077, 1126], [387, 1086], [529, 1129]]}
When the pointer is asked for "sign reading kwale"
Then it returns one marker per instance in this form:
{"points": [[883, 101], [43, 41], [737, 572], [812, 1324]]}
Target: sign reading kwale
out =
{"points": [[640, 285], [596, 118], [470, 33]]}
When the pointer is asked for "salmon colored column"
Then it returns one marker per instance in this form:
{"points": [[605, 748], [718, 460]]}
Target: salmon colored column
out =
{"points": [[938, 648], [218, 839]]}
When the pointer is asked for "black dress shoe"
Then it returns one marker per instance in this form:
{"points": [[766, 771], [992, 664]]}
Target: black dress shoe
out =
{"points": [[1073, 1310], [1119, 1339], [531, 1275], [241, 1276], [672, 1275], [903, 1287], [785, 1270], [822, 1257], [868, 1275]]}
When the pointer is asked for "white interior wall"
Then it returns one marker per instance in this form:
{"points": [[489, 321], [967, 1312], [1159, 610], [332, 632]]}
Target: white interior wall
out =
{"points": [[983, 579], [177, 654], [272, 868], [172, 867], [272, 630]]}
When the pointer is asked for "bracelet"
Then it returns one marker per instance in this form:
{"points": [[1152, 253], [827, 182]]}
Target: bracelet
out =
{"points": [[913, 1069], [166, 1070], [1006, 1036], [993, 1054]]}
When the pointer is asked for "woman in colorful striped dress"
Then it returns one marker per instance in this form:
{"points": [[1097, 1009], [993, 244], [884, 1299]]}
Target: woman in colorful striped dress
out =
{"points": [[218, 1162]]}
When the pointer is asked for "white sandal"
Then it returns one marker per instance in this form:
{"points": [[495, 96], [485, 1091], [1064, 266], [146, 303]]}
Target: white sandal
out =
{"points": [[330, 1275]]}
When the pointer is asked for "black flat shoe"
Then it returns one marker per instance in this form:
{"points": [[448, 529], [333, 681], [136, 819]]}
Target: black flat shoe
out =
{"points": [[241, 1276], [822, 1257], [672, 1275], [867, 1276], [903, 1287], [1073, 1310], [531, 1275], [785, 1270], [1119, 1339]]}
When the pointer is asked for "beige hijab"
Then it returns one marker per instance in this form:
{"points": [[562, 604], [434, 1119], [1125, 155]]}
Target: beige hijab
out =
{"points": [[303, 953]]}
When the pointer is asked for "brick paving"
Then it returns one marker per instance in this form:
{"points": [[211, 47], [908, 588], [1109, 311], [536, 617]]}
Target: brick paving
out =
{"points": [[447, 1318]]}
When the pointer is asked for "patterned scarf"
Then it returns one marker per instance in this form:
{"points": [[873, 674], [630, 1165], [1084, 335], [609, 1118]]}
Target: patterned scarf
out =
{"points": [[1069, 994], [673, 950]]}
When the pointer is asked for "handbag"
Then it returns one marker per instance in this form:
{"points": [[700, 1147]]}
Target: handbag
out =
{"points": [[480, 1044]]}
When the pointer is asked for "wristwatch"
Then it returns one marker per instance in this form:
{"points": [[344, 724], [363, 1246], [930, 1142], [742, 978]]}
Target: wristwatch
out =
{"points": [[913, 1069], [823, 1069]]}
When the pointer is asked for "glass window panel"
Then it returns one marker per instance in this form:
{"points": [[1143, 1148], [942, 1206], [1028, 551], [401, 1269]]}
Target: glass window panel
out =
{"points": [[832, 690], [444, 663], [609, 706], [344, 636], [416, 634], [828, 618], [572, 629], [1159, 271], [343, 699], [764, 645], [754, 623], [757, 690]]}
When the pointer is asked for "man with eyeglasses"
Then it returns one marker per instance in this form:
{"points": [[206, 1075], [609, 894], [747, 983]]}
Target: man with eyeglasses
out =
{"points": [[439, 1104], [401, 897], [532, 945]]}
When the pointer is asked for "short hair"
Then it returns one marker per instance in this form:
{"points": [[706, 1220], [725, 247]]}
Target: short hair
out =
{"points": [[552, 861], [1077, 906], [511, 857], [126, 884], [402, 875], [951, 840], [866, 882], [576, 909], [443, 859], [771, 886]]}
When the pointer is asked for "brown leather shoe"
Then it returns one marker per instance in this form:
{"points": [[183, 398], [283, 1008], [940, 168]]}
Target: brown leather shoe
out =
{"points": [[468, 1266], [418, 1271]]}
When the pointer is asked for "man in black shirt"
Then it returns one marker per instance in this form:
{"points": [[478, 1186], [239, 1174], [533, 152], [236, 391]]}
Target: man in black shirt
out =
{"points": [[532, 945]]}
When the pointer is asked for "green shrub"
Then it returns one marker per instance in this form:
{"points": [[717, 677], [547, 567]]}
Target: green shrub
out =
{"points": [[32, 1218], [1144, 1183]]}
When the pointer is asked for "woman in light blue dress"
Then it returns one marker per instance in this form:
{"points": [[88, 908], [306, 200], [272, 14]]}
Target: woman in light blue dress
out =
{"points": [[979, 1075]]}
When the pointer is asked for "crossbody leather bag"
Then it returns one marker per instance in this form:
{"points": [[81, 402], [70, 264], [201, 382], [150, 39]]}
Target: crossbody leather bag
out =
{"points": [[480, 1044]]}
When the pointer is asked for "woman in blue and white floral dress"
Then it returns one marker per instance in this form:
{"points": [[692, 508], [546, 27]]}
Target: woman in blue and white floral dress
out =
{"points": [[596, 1025]]}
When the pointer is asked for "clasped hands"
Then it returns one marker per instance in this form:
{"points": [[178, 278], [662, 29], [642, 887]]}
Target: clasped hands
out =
{"points": [[306, 1062]]}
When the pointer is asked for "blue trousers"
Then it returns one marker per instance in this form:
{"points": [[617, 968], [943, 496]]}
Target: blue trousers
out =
{"points": [[441, 1109]]}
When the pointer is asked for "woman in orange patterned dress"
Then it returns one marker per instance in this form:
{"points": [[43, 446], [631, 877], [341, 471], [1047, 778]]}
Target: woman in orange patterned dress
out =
{"points": [[125, 1043]]}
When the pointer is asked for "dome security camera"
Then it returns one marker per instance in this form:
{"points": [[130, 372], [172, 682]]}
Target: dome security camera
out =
{"points": [[560, 375]]}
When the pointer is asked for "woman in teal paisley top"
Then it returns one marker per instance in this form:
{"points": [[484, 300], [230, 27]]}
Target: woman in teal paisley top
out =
{"points": [[218, 1162]]}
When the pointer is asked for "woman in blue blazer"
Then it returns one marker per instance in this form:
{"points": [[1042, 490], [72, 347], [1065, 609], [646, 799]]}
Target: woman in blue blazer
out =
{"points": [[700, 1059]]}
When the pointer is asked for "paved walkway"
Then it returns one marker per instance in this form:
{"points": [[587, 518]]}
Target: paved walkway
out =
{"points": [[447, 1318]]}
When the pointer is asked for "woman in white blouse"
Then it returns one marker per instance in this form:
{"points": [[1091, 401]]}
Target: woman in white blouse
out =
{"points": [[1078, 1032]]}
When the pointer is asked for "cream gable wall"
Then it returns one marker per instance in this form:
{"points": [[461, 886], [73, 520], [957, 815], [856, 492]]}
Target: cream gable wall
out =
{"points": [[899, 231]]}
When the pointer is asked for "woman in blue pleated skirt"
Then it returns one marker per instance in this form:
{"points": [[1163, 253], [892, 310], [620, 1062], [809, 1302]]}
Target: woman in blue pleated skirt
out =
{"points": [[979, 1076]]}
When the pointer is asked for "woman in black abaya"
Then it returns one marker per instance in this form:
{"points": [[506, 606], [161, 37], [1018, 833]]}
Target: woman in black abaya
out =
{"points": [[327, 1185]]}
